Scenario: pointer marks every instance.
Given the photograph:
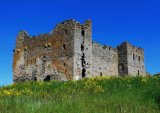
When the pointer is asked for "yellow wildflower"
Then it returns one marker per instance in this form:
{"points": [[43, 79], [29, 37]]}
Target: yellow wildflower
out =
{"points": [[144, 80]]}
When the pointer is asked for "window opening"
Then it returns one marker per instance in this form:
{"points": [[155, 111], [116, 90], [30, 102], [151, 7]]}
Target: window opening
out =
{"points": [[100, 73], [139, 58], [82, 47], [83, 63], [47, 78], [83, 73], [64, 47], [35, 79], [64, 64], [121, 67], [133, 56], [138, 72], [35, 60], [82, 32]]}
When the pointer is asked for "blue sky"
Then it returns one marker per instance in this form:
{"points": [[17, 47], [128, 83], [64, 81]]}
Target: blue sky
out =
{"points": [[113, 22]]}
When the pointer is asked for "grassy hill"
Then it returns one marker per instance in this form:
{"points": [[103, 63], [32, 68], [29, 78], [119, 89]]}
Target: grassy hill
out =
{"points": [[90, 95]]}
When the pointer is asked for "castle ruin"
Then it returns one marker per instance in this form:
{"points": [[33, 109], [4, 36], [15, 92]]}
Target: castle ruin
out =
{"points": [[68, 53]]}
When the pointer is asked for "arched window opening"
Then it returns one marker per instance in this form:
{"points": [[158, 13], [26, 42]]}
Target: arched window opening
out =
{"points": [[82, 47], [35, 79], [64, 47], [35, 60], [100, 73], [133, 56], [138, 72], [139, 58], [82, 32], [47, 78], [83, 73], [121, 67]]}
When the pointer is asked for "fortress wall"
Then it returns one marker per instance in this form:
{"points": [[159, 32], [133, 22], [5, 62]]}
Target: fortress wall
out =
{"points": [[104, 60], [39, 61], [70, 54], [136, 61], [83, 50]]}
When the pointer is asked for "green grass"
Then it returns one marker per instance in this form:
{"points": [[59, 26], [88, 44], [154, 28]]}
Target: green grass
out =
{"points": [[90, 95]]}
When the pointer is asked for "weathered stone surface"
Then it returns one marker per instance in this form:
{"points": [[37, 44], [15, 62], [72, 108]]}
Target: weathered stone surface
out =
{"points": [[68, 53], [104, 60], [130, 60]]}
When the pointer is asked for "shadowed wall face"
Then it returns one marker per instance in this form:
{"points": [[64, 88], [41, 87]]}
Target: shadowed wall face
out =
{"points": [[122, 60]]}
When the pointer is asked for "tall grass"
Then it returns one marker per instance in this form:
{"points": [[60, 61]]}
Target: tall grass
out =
{"points": [[136, 94]]}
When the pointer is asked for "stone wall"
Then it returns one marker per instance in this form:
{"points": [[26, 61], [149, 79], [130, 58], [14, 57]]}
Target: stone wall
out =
{"points": [[131, 60], [104, 60], [83, 50], [136, 61], [39, 62]]}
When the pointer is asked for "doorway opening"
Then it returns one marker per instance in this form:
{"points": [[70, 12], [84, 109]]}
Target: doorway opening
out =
{"points": [[47, 78], [83, 73]]}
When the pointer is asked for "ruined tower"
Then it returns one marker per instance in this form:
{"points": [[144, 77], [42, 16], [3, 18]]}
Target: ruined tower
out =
{"points": [[59, 55], [130, 60], [83, 50]]}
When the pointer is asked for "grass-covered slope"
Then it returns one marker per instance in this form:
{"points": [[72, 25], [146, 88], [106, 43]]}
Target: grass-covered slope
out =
{"points": [[90, 95]]}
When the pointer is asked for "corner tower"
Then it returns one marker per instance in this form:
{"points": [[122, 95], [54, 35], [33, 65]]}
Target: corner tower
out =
{"points": [[130, 60]]}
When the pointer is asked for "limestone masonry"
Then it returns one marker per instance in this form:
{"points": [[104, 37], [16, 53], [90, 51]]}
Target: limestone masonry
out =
{"points": [[68, 53]]}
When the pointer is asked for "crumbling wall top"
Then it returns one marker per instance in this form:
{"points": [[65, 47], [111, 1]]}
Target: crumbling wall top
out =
{"points": [[126, 45], [105, 46]]}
